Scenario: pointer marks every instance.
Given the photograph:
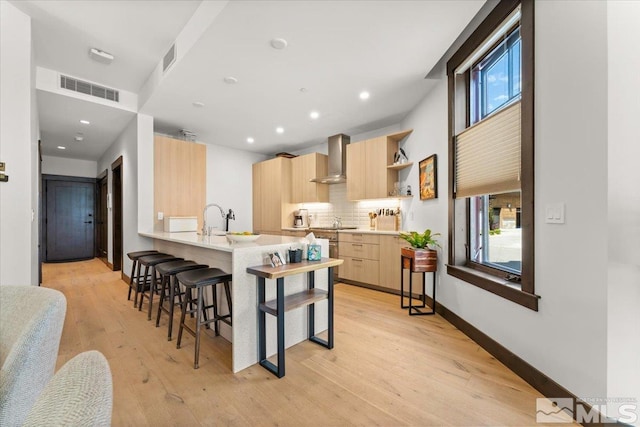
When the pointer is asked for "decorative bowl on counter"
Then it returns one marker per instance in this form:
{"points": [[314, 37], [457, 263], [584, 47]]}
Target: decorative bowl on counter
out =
{"points": [[242, 237]]}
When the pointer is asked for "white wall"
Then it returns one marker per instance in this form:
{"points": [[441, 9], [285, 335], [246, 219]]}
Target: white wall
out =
{"points": [[126, 145], [145, 173], [567, 338], [35, 175], [18, 137], [623, 334], [229, 184], [69, 167]]}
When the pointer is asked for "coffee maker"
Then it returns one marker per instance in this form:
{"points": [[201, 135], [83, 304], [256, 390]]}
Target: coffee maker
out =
{"points": [[301, 218]]}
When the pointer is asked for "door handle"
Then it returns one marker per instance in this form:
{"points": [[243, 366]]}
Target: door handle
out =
{"points": [[88, 222]]}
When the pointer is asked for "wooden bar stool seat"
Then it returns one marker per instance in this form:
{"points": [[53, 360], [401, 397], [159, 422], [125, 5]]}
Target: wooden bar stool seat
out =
{"points": [[199, 280], [149, 279], [170, 289], [133, 278]]}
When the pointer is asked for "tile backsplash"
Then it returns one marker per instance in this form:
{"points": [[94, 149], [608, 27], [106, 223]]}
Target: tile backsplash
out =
{"points": [[354, 214]]}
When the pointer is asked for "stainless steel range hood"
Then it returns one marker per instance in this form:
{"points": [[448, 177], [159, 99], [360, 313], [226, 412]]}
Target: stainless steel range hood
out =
{"points": [[337, 171]]}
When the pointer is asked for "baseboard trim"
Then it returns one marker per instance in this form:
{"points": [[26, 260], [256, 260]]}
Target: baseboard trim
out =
{"points": [[106, 262], [124, 277], [376, 288], [537, 379]]}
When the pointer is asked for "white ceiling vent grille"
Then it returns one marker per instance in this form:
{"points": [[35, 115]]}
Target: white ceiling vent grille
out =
{"points": [[89, 88], [169, 58]]}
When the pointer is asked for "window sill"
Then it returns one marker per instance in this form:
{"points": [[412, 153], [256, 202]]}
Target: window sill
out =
{"points": [[495, 285]]}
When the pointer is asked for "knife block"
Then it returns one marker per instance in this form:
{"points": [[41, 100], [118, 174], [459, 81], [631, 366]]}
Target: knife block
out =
{"points": [[387, 223]]}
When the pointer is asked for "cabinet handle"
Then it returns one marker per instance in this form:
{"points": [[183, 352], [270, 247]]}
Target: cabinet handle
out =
{"points": [[356, 259], [356, 244]]}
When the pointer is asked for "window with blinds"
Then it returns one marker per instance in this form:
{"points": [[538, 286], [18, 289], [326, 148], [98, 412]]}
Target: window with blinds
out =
{"points": [[491, 92], [487, 155]]}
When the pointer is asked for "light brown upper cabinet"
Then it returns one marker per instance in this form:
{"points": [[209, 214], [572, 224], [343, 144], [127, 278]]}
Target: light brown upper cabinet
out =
{"points": [[180, 171], [367, 174], [356, 171], [304, 168], [272, 207]]}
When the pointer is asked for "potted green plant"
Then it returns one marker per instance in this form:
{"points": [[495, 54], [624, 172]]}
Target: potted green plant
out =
{"points": [[421, 256]]}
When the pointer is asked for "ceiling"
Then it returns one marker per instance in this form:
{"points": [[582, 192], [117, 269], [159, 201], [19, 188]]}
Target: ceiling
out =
{"points": [[336, 49]]}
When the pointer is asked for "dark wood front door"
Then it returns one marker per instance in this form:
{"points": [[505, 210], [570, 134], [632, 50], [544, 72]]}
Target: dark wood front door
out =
{"points": [[102, 218], [69, 220], [116, 212]]}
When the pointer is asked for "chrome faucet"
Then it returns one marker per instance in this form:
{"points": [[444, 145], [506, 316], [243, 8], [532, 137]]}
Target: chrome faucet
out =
{"points": [[337, 222], [227, 216]]}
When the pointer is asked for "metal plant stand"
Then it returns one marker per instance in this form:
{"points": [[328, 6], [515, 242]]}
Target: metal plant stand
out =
{"points": [[407, 262]]}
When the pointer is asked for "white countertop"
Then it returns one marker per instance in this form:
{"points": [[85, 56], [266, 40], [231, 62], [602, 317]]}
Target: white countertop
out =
{"points": [[369, 231], [350, 230], [219, 242]]}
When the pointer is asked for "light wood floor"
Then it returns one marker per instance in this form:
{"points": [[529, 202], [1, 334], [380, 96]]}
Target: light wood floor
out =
{"points": [[386, 369]]}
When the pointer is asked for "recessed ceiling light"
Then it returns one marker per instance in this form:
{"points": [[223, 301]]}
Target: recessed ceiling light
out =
{"points": [[280, 129], [250, 140], [198, 104], [78, 138], [230, 80], [60, 147], [303, 89], [278, 43], [85, 122], [364, 95], [314, 115]]}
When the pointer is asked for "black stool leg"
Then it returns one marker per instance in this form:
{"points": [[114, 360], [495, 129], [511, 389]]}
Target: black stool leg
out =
{"points": [[140, 287], [131, 278], [216, 322], [187, 299], [174, 285], [196, 364], [153, 288], [227, 291], [163, 290]]}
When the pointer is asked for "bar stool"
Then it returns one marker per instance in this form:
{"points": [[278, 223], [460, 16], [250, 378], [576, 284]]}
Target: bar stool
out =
{"points": [[169, 287], [150, 279], [133, 256], [199, 279]]}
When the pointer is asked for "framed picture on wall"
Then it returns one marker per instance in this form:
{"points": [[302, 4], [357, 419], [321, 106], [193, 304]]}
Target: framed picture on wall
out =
{"points": [[429, 178]]}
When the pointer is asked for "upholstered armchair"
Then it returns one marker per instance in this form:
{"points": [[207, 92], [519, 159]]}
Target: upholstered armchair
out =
{"points": [[80, 394], [31, 320]]}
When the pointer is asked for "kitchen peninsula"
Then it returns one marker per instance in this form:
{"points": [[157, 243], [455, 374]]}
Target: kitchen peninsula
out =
{"points": [[216, 251]]}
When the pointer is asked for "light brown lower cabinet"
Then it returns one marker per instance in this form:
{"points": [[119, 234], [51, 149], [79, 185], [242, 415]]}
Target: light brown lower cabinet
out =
{"points": [[390, 269], [360, 270], [361, 255], [294, 233], [374, 259]]}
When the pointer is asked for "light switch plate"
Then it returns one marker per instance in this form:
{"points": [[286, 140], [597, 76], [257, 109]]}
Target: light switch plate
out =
{"points": [[554, 213], [1, 166], [160, 216]]}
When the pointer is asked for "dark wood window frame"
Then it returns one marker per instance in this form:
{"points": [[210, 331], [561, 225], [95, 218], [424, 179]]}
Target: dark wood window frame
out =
{"points": [[523, 292]]}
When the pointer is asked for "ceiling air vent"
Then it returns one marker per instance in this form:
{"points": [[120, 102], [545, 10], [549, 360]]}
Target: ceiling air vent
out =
{"points": [[169, 58], [89, 88]]}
